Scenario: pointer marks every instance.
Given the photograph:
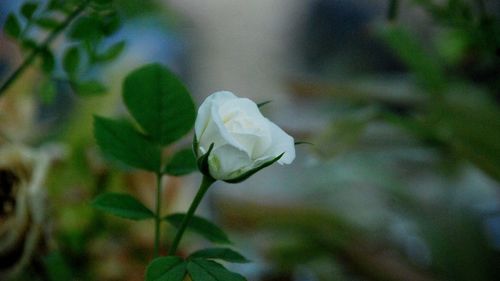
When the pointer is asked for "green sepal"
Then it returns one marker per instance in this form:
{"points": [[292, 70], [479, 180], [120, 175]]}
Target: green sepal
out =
{"points": [[203, 162], [249, 173], [224, 254], [261, 104], [169, 268], [122, 205]]}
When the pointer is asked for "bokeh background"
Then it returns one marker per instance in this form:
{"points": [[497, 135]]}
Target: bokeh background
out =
{"points": [[400, 180]]}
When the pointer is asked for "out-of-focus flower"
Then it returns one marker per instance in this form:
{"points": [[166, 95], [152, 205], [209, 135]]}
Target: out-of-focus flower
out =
{"points": [[22, 207], [243, 140]]}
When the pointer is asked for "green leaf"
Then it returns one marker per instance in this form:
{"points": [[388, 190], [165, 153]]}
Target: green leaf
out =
{"points": [[224, 254], [201, 226], [89, 88], [112, 52], [121, 141], [12, 26], [248, 174], [122, 205], [182, 163], [71, 61], [206, 270], [28, 9], [159, 102], [48, 61], [166, 269], [47, 23]]}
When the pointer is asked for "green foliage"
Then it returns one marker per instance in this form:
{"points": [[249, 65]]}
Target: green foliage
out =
{"points": [[201, 226], [166, 269], [112, 52], [159, 102], [12, 26], [206, 270], [183, 162], [28, 9], [48, 61], [224, 254], [122, 205], [121, 141], [71, 61], [90, 22], [421, 63]]}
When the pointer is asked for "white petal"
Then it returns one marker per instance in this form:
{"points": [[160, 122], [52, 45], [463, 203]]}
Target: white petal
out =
{"points": [[203, 118], [281, 142], [227, 162]]}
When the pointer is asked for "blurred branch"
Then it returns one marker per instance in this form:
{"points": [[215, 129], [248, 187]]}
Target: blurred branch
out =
{"points": [[45, 44], [392, 13]]}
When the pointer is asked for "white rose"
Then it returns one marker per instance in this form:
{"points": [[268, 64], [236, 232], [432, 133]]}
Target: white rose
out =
{"points": [[243, 139]]}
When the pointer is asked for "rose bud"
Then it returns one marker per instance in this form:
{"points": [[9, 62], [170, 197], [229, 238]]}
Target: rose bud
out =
{"points": [[234, 140]]}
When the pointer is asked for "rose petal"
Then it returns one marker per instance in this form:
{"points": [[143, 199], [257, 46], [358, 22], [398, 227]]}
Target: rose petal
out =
{"points": [[281, 142], [226, 162]]}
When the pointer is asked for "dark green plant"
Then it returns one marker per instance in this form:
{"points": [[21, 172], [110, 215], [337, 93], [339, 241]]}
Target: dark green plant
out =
{"points": [[85, 24]]}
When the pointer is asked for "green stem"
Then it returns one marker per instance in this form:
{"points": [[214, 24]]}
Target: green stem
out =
{"points": [[205, 184], [45, 44], [158, 215]]}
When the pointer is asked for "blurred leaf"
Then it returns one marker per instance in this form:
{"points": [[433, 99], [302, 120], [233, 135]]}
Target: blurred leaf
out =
{"points": [[159, 102], [47, 23], [166, 269], [56, 267], [224, 254], [71, 61], [261, 104], [85, 28], [206, 270], [28, 9], [29, 43], [201, 226], [474, 132], [426, 68], [110, 23], [122, 205], [121, 141], [112, 52], [183, 162], [89, 88], [12, 26], [48, 60], [47, 91]]}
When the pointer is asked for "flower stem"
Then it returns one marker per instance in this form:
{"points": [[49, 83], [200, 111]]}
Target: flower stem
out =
{"points": [[205, 184], [158, 215], [45, 44]]}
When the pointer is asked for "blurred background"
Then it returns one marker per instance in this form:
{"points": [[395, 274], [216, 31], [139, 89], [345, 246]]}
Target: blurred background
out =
{"points": [[399, 101]]}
